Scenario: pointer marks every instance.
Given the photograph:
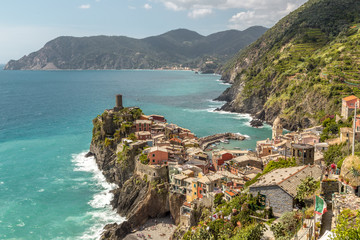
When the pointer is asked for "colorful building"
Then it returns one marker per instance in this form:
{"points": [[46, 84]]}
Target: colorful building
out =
{"points": [[158, 156], [143, 125], [219, 158], [348, 105]]}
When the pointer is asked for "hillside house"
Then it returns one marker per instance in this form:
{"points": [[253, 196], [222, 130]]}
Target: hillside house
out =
{"points": [[220, 157], [348, 106], [279, 186], [143, 125], [158, 156]]}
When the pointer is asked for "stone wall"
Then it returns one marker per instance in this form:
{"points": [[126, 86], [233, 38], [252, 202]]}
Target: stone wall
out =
{"points": [[152, 172], [251, 163], [278, 199], [328, 188]]}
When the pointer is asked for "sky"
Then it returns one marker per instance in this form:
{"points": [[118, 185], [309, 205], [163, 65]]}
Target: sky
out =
{"points": [[25, 26]]}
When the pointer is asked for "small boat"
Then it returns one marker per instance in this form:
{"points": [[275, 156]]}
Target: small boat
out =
{"points": [[226, 141], [237, 148]]}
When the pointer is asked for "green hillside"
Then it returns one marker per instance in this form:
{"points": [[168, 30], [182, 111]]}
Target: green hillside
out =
{"points": [[301, 68], [176, 48]]}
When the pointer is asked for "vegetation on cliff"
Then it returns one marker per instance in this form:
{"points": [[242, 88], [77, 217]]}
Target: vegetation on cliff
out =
{"points": [[237, 219], [301, 68], [175, 48]]}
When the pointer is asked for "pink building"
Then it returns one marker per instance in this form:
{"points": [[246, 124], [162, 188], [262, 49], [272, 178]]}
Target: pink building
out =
{"points": [[311, 139], [158, 156], [143, 125]]}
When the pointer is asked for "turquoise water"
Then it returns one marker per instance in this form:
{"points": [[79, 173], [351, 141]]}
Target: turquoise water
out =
{"points": [[48, 190]]}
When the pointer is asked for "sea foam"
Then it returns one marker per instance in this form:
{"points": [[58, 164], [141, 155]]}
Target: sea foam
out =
{"points": [[102, 212]]}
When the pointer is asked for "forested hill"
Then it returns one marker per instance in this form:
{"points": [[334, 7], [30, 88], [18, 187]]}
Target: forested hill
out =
{"points": [[175, 48], [301, 68]]}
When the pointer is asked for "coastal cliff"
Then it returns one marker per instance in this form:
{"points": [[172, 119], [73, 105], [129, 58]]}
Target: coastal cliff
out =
{"points": [[137, 198], [299, 69]]}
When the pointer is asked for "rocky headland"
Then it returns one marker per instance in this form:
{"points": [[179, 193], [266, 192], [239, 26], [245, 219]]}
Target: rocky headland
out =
{"points": [[138, 197]]}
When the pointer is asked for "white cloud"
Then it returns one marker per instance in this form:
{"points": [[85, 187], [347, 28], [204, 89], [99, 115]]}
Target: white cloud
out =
{"points": [[147, 6], [196, 13], [85, 6], [251, 12]]}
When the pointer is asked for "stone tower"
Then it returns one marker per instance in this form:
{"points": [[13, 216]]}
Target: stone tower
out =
{"points": [[277, 128], [119, 104]]}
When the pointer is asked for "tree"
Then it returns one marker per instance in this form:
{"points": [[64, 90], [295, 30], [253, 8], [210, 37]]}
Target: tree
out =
{"points": [[218, 199], [306, 188], [348, 225]]}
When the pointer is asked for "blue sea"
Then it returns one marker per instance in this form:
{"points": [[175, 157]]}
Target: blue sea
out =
{"points": [[48, 189]]}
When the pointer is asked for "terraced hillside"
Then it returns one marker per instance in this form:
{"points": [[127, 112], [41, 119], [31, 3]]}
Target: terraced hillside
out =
{"points": [[301, 68]]}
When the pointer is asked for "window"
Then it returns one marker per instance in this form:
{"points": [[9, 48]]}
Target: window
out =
{"points": [[153, 160], [194, 185], [153, 155]]}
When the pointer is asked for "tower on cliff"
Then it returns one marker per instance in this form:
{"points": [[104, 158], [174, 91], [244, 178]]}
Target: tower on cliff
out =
{"points": [[119, 104], [277, 128]]}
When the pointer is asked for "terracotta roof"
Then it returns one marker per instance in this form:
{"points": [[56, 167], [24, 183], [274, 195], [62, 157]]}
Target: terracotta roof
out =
{"points": [[349, 98], [175, 140], [230, 193]]}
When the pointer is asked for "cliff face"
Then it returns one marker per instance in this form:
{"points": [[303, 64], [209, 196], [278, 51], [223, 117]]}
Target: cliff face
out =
{"points": [[137, 198], [301, 68]]}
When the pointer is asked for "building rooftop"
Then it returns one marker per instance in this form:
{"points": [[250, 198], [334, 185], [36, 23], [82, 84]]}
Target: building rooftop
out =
{"points": [[188, 172], [302, 146], [229, 174], [349, 98], [288, 178], [180, 176], [246, 158], [230, 193], [143, 122], [144, 133], [153, 149]]}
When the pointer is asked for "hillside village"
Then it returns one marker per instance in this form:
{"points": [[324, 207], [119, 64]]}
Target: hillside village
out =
{"points": [[212, 179]]}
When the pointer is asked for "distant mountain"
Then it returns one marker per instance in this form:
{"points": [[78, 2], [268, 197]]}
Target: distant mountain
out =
{"points": [[301, 68], [175, 48]]}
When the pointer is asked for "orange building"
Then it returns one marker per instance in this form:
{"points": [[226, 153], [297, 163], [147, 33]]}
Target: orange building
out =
{"points": [[348, 105], [158, 156]]}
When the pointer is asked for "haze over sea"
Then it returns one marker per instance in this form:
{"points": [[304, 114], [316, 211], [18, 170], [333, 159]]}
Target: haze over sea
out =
{"points": [[48, 190]]}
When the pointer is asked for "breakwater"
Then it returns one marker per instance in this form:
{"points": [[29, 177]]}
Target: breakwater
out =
{"points": [[204, 142]]}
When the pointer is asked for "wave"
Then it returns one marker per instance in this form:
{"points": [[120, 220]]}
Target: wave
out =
{"points": [[246, 136], [102, 212]]}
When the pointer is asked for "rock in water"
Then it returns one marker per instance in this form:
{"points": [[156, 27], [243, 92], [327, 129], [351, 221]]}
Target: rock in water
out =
{"points": [[256, 123]]}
